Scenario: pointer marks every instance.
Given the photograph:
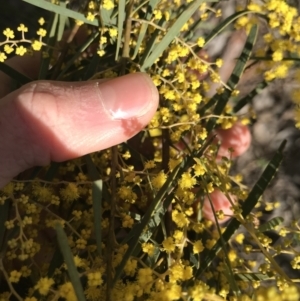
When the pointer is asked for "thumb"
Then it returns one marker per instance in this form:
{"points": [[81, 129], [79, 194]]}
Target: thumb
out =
{"points": [[49, 120]]}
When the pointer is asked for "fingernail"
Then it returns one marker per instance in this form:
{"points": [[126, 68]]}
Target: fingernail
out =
{"points": [[128, 96]]}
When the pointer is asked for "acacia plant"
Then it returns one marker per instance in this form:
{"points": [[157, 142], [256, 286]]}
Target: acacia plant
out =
{"points": [[161, 216]]}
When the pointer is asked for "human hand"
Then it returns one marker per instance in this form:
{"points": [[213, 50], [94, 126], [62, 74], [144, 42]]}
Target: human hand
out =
{"points": [[47, 121]]}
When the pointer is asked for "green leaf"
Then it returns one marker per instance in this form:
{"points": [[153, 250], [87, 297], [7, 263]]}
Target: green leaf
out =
{"points": [[81, 49], [271, 224], [247, 207], [14, 74], [63, 11], [97, 208], [171, 34], [69, 260], [106, 17], [121, 18], [51, 40], [92, 67], [56, 262], [221, 100], [248, 98], [245, 277], [92, 169], [61, 27], [152, 260], [219, 28], [138, 229], [151, 43], [148, 14]]}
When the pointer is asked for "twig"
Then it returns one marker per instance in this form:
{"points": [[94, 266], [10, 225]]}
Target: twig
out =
{"points": [[8, 282]]}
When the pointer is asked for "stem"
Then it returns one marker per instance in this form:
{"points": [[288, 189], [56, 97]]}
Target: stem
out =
{"points": [[8, 282]]}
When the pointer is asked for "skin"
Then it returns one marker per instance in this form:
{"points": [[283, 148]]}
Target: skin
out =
{"points": [[47, 121]]}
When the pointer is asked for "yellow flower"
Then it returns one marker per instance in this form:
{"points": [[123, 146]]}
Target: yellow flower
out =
{"points": [[41, 21], [219, 63], [148, 248], [101, 52], [240, 238], [201, 42], [9, 33], [67, 291], [127, 221], [8, 49], [198, 247], [44, 285], [157, 14], [15, 276], [3, 57], [21, 50], [94, 278], [41, 32], [70, 193], [180, 219], [169, 245], [36, 45], [254, 7], [159, 180], [187, 181], [144, 276], [90, 16], [113, 32], [22, 28], [277, 56], [108, 4]]}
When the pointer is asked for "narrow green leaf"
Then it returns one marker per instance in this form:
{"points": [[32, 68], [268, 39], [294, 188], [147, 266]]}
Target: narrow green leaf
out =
{"points": [[63, 11], [151, 43], [152, 260], [136, 232], [245, 277], [247, 207], [248, 98], [121, 18], [14, 74], [56, 262], [68, 257], [61, 27], [148, 14], [106, 17], [221, 100], [271, 224], [51, 40], [97, 208], [91, 69], [93, 173], [230, 276], [155, 220], [219, 28], [81, 49], [172, 33]]}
